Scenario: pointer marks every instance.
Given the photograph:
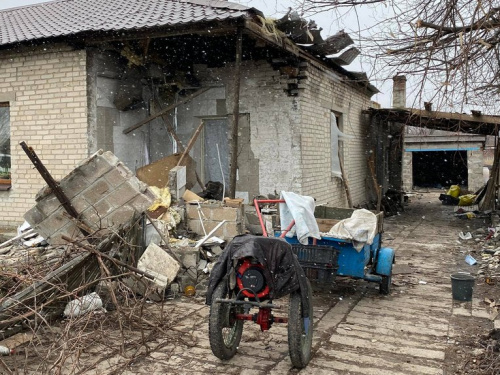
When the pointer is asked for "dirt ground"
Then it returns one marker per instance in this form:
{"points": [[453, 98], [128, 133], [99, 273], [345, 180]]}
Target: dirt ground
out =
{"points": [[417, 329]]}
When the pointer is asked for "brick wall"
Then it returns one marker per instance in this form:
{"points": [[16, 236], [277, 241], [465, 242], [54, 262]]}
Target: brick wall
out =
{"points": [[47, 91], [407, 171], [290, 136], [475, 162], [325, 92]]}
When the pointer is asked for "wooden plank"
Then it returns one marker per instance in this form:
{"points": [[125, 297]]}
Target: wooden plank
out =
{"points": [[345, 182], [325, 225], [166, 110]]}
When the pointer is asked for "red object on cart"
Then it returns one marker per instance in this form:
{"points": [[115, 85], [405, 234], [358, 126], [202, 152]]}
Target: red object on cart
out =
{"points": [[258, 202]]}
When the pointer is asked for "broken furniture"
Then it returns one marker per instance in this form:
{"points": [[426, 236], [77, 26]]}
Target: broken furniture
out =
{"points": [[253, 272], [327, 257]]}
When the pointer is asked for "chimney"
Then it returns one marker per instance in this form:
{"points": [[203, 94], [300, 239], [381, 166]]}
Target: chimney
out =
{"points": [[399, 92]]}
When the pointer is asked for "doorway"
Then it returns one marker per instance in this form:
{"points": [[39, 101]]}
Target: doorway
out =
{"points": [[438, 169]]}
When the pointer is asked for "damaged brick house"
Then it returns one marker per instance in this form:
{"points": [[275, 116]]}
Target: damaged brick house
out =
{"points": [[77, 76]]}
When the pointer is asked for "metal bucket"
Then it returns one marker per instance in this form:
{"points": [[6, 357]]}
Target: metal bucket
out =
{"points": [[462, 285]]}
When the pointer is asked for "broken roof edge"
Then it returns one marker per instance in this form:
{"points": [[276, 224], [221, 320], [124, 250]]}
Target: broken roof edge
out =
{"points": [[223, 4], [288, 45], [456, 122], [485, 119]]}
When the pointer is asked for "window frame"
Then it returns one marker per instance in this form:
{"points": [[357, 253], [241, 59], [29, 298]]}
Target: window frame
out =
{"points": [[340, 145], [6, 183]]}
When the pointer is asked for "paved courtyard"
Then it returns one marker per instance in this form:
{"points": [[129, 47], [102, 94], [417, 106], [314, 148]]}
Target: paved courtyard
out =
{"points": [[357, 330], [417, 329]]}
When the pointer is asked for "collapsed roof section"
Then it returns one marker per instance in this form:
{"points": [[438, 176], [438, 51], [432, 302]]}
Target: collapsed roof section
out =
{"points": [[91, 20]]}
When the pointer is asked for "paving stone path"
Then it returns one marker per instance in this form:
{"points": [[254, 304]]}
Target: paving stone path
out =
{"points": [[357, 330]]}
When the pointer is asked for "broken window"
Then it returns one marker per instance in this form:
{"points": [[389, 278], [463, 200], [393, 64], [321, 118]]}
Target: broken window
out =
{"points": [[216, 151], [336, 138], [5, 165]]}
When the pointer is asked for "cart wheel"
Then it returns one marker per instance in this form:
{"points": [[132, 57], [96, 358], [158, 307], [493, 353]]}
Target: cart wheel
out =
{"points": [[300, 331], [385, 284], [224, 330]]}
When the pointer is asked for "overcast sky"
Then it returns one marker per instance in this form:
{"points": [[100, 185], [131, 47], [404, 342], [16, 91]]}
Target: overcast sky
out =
{"points": [[350, 20]]}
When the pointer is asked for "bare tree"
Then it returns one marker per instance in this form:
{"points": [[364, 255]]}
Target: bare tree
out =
{"points": [[327, 5], [448, 48]]}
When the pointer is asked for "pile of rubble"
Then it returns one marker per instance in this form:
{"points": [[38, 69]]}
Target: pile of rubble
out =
{"points": [[102, 224]]}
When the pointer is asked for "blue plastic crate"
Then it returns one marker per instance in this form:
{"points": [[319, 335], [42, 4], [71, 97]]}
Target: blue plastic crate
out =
{"points": [[320, 263]]}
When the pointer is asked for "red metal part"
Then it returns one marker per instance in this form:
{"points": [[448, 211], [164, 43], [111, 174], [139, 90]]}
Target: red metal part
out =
{"points": [[257, 202], [241, 270], [244, 317], [290, 226], [277, 319], [264, 318], [253, 317]]}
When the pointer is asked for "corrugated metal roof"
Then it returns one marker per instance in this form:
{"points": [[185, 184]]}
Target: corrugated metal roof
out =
{"points": [[67, 17]]}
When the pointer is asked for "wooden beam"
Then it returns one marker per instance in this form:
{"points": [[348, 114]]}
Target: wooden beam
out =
{"points": [[345, 182], [166, 110], [169, 126], [455, 116], [236, 116], [174, 135], [191, 143]]}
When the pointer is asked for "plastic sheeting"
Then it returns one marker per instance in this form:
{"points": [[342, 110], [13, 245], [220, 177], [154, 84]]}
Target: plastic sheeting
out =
{"points": [[336, 137], [360, 228], [301, 209]]}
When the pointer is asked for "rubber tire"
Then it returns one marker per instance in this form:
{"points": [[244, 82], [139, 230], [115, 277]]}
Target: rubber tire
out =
{"points": [[385, 285], [299, 344], [219, 319]]}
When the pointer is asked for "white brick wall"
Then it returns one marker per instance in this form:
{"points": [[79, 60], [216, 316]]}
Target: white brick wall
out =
{"points": [[325, 93], [49, 113], [291, 135]]}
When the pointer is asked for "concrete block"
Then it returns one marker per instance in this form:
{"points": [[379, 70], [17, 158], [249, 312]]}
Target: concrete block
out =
{"points": [[210, 225], [137, 184], [118, 176], [124, 193], [159, 264], [144, 287], [52, 224], [232, 230], [48, 205], [119, 216], [226, 213], [94, 167], [189, 256], [98, 190], [94, 215], [140, 203], [192, 211], [69, 230], [34, 216], [194, 226], [74, 183]]}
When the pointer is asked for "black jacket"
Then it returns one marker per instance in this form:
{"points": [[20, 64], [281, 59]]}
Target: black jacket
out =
{"points": [[282, 270]]}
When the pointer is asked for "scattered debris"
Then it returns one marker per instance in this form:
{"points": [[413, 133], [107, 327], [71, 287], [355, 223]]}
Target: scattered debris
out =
{"points": [[83, 305], [465, 236], [470, 260]]}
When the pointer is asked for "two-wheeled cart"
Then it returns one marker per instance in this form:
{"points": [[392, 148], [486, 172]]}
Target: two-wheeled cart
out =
{"points": [[327, 257]]}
